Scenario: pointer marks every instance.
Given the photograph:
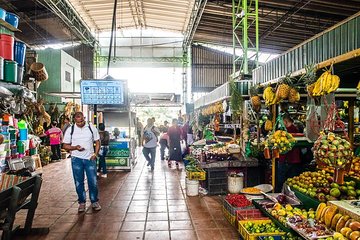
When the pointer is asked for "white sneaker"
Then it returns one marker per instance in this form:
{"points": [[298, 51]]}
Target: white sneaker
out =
{"points": [[104, 175]]}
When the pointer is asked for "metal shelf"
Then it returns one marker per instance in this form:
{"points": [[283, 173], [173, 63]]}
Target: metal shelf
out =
{"points": [[8, 26]]}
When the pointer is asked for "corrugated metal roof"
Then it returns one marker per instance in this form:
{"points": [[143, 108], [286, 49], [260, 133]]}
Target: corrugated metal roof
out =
{"points": [[282, 23], [160, 14]]}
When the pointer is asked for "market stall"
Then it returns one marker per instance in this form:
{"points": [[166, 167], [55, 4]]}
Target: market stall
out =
{"points": [[110, 98], [304, 124]]}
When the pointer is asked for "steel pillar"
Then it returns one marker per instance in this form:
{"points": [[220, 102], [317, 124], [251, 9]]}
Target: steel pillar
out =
{"points": [[197, 11], [245, 15]]}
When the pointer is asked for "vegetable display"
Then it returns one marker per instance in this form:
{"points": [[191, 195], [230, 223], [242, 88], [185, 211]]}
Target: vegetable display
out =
{"points": [[237, 200]]}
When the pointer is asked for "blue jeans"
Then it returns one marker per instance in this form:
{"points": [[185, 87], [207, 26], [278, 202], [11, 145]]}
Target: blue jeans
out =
{"points": [[151, 158], [102, 162], [79, 167]]}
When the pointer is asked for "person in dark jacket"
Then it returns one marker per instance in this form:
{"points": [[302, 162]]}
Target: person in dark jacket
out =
{"points": [[104, 141], [289, 164], [174, 133]]}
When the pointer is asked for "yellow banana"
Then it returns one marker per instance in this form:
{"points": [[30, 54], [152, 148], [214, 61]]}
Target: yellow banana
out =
{"points": [[327, 84], [317, 88], [268, 95], [335, 83]]}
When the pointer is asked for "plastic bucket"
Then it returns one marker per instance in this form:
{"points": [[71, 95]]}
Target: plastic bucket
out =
{"points": [[235, 184], [19, 52], [10, 71], [1, 68], [7, 46], [23, 134], [12, 134], [39, 72], [20, 74], [2, 14], [192, 187], [12, 19]]}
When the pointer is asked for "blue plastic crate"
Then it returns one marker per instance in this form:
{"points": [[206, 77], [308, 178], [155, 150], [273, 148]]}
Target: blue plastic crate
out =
{"points": [[275, 238]]}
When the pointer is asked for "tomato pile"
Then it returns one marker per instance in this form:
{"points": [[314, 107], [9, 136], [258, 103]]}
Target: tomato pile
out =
{"points": [[237, 200]]}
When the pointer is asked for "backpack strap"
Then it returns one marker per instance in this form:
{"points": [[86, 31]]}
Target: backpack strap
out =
{"points": [[72, 132]]}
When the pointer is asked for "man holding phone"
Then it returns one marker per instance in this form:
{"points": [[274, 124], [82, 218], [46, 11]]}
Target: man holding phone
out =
{"points": [[79, 139]]}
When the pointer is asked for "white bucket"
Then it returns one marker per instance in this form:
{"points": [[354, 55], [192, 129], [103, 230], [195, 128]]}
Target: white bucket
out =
{"points": [[235, 184], [192, 187]]}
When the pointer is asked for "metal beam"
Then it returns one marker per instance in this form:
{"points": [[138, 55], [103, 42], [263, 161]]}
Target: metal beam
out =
{"points": [[297, 7], [195, 17], [70, 17], [141, 59]]}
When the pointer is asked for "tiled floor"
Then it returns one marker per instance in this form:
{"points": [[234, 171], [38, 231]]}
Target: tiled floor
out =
{"points": [[136, 205]]}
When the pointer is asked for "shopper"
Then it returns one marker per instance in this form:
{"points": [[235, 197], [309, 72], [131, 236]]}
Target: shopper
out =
{"points": [[150, 135], [164, 140], [66, 125], [139, 131], [55, 136], [289, 164], [79, 139], [104, 140], [175, 134]]}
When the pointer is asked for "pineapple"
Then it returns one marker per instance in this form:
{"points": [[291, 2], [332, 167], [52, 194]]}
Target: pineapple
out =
{"points": [[294, 95], [282, 91], [268, 125], [255, 99]]}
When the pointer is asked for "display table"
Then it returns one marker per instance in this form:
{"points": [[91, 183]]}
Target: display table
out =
{"points": [[248, 162], [121, 154], [345, 207]]}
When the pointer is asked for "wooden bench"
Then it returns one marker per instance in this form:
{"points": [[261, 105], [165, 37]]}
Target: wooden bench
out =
{"points": [[8, 206], [25, 195]]}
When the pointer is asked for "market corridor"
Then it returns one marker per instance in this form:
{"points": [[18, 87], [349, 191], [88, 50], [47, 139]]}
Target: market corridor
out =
{"points": [[135, 205]]}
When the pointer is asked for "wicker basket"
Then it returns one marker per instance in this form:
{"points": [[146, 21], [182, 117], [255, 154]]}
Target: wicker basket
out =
{"points": [[38, 70]]}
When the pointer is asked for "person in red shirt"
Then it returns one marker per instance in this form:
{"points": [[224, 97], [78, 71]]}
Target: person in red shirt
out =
{"points": [[289, 164], [56, 136]]}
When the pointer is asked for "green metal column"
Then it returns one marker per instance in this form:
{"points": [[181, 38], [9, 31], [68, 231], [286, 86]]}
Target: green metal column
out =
{"points": [[244, 17]]}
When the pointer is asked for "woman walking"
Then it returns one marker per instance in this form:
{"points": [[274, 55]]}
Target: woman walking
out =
{"points": [[174, 134], [104, 141]]}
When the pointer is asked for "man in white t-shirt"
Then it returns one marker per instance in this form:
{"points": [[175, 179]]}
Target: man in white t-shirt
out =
{"points": [[79, 139], [150, 138]]}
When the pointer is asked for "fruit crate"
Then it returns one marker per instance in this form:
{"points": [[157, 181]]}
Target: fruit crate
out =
{"points": [[217, 189], [307, 201], [254, 236], [231, 209], [196, 175], [216, 181], [231, 218], [213, 173], [250, 214], [266, 213]]}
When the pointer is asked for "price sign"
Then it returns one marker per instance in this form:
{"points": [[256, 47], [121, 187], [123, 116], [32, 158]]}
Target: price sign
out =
{"points": [[232, 125]]}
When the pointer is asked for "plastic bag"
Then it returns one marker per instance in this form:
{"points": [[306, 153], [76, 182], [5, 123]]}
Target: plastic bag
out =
{"points": [[183, 147], [312, 121]]}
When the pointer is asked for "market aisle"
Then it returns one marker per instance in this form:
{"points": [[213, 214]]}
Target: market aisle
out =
{"points": [[136, 205]]}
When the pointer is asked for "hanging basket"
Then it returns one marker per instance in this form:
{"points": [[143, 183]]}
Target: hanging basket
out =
{"points": [[279, 140]]}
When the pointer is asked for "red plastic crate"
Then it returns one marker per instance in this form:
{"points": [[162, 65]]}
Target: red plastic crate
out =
{"points": [[250, 214]]}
